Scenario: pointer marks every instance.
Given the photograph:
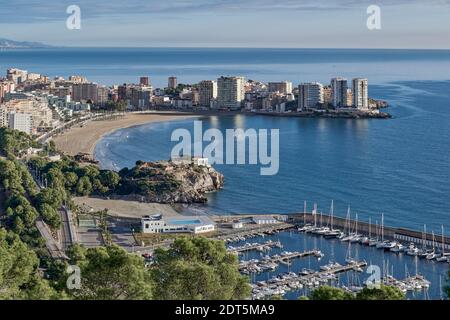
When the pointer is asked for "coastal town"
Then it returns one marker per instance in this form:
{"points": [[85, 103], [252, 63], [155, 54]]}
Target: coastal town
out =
{"points": [[35, 104], [48, 131]]}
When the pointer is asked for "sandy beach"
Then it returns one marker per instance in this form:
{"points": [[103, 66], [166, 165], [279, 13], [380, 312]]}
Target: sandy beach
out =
{"points": [[83, 139]]}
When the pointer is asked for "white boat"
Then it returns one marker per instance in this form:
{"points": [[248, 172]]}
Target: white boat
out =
{"points": [[398, 248], [413, 251], [431, 256], [381, 244], [443, 257], [389, 245], [364, 240]]}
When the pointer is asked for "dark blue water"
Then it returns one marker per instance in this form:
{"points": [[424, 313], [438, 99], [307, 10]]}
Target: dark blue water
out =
{"points": [[118, 65]]}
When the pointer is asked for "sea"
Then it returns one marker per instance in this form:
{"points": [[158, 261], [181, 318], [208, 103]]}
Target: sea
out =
{"points": [[398, 167]]}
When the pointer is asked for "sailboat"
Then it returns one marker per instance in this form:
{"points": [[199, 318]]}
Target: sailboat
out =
{"points": [[348, 257], [332, 233], [356, 237], [365, 240], [381, 244], [373, 241], [432, 255], [347, 219], [444, 256], [322, 230], [424, 252]]}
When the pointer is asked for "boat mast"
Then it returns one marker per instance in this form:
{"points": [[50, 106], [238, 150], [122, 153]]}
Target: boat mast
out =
{"points": [[332, 212], [443, 242], [356, 224], [347, 222], [424, 237], [382, 227], [432, 235], [370, 227], [304, 212]]}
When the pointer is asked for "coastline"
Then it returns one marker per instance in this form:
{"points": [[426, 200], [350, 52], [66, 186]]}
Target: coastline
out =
{"points": [[84, 139]]}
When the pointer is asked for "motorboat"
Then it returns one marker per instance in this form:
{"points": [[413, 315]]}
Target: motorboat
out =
{"points": [[413, 251], [364, 240], [389, 245], [381, 244], [398, 248]]}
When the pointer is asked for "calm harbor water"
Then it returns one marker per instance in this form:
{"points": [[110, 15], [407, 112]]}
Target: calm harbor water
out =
{"points": [[400, 266]]}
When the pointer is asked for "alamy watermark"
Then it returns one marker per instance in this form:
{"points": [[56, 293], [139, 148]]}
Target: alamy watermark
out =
{"points": [[374, 19], [74, 280], [73, 22], [241, 146]]}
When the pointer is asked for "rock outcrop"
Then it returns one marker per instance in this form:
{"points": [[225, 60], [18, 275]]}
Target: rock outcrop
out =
{"points": [[167, 182]]}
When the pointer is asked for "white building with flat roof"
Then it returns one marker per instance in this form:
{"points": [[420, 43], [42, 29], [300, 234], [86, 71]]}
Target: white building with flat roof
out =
{"points": [[20, 122], [310, 95], [182, 224], [264, 220], [230, 92]]}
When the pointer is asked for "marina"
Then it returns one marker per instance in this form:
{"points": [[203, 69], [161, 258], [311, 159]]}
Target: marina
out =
{"points": [[350, 251], [272, 262]]}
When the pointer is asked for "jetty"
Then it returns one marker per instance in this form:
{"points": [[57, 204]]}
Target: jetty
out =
{"points": [[255, 246], [292, 281], [270, 263]]}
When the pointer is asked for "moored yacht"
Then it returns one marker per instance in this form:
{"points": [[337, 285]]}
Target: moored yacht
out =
{"points": [[398, 248]]}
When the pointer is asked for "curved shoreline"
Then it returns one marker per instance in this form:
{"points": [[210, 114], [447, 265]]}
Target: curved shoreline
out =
{"points": [[84, 139]]}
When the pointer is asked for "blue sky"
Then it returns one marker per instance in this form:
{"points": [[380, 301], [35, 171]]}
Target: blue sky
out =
{"points": [[230, 23]]}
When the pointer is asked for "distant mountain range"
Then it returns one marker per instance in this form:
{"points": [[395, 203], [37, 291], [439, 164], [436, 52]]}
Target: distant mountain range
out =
{"points": [[11, 44]]}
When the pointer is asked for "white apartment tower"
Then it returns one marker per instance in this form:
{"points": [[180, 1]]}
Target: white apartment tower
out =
{"points": [[207, 92], [230, 92], [20, 121], [310, 95], [339, 92], [360, 93]]}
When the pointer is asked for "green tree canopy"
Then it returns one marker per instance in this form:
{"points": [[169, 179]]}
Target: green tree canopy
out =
{"points": [[330, 293], [19, 278], [381, 293], [110, 273], [198, 268]]}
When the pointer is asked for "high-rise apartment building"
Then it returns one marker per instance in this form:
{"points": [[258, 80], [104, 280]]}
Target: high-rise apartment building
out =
{"points": [[339, 92], [230, 92], [172, 82], [207, 92], [310, 95], [360, 93]]}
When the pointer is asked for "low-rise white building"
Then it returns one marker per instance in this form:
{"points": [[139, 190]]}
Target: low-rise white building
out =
{"points": [[264, 220], [184, 224]]}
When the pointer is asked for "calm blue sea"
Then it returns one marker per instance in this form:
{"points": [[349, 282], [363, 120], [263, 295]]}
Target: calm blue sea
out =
{"points": [[118, 65], [399, 167]]}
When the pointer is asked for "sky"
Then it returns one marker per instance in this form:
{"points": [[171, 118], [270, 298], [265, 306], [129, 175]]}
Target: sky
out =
{"points": [[230, 23]]}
